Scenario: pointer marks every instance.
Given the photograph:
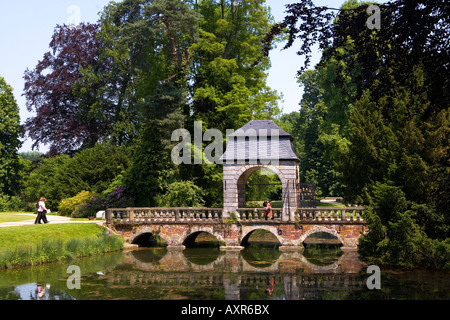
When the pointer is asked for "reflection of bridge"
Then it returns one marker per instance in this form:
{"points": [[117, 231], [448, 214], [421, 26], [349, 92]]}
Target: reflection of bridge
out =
{"points": [[178, 226], [290, 273]]}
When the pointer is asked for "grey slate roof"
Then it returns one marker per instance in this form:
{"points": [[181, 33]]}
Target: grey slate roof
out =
{"points": [[259, 140], [260, 126]]}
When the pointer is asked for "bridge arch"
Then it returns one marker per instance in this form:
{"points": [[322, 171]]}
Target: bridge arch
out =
{"points": [[190, 235], [143, 232], [319, 228], [246, 232], [189, 241]]}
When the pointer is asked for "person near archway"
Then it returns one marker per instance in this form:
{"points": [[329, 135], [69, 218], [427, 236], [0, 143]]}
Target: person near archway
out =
{"points": [[269, 206], [266, 209]]}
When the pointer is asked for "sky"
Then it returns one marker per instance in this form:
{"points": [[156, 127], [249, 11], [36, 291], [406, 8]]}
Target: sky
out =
{"points": [[26, 27]]}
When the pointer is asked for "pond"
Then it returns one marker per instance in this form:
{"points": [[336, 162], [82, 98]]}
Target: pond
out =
{"points": [[255, 273]]}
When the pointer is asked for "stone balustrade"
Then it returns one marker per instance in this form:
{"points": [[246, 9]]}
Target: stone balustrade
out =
{"points": [[149, 215], [330, 214], [258, 214], [188, 214]]}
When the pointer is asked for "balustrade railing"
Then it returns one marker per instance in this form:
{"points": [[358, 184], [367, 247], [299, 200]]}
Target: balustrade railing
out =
{"points": [[330, 214], [259, 214], [179, 214], [185, 214]]}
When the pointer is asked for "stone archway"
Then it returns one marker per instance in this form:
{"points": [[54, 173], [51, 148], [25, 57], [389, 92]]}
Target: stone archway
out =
{"points": [[236, 175], [316, 229], [245, 172], [194, 231], [150, 229], [248, 230], [243, 156]]}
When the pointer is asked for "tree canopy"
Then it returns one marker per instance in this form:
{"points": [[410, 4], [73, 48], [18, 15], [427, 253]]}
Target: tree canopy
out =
{"points": [[376, 110]]}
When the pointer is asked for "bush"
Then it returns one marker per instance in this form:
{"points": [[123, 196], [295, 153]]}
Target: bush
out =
{"points": [[10, 204], [118, 198], [72, 206]]}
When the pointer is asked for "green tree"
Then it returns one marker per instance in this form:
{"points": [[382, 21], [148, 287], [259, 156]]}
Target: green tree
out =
{"points": [[10, 131], [227, 78], [156, 36], [43, 181], [228, 71]]}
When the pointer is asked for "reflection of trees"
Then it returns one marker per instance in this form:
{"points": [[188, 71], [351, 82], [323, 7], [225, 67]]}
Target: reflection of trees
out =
{"points": [[322, 255]]}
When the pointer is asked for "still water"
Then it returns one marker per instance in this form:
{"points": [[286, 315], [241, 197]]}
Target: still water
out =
{"points": [[208, 274]]}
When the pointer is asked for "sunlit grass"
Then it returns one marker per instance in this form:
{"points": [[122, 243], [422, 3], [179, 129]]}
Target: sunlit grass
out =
{"points": [[16, 216]]}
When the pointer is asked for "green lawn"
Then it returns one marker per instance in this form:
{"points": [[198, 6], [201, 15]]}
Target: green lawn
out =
{"points": [[11, 237], [326, 204], [15, 216]]}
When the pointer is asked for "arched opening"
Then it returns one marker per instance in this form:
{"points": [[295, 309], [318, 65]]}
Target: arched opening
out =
{"points": [[201, 239], [322, 248], [259, 184], [261, 238], [148, 239], [321, 238]]}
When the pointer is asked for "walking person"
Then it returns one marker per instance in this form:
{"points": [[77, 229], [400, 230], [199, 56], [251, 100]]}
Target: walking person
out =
{"points": [[42, 211]]}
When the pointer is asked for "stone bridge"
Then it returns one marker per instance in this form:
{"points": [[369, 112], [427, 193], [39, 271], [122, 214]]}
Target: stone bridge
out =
{"points": [[178, 227]]}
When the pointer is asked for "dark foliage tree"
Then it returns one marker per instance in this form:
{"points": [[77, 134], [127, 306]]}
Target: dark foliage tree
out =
{"points": [[79, 92], [49, 90]]}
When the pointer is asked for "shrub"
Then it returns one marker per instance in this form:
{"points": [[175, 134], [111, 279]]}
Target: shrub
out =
{"points": [[71, 206], [118, 198], [10, 204]]}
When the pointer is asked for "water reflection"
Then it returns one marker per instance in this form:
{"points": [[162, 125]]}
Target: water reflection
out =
{"points": [[259, 256], [208, 273]]}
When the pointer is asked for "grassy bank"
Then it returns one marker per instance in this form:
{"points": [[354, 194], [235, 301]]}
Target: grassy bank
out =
{"points": [[36, 244]]}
